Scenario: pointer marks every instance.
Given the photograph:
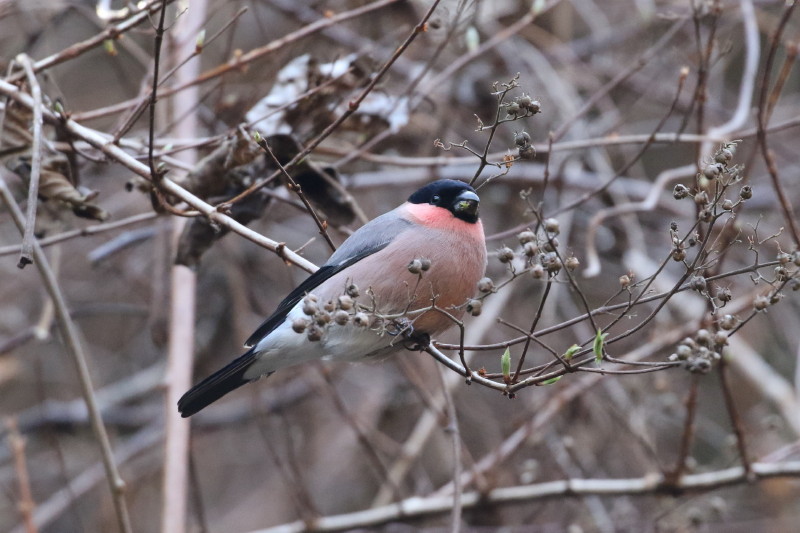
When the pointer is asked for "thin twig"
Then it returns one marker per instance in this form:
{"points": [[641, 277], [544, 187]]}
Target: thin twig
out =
{"points": [[627, 166], [26, 505], [736, 420], [293, 186], [687, 435], [88, 231], [101, 142], [72, 342], [183, 282], [455, 435], [239, 63], [78, 49], [788, 211], [651, 484], [352, 106], [26, 252]]}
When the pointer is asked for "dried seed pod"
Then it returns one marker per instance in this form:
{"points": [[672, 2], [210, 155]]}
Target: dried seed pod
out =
{"points": [[723, 156], [526, 152], [530, 249], [537, 271], [329, 306], [341, 317], [724, 294], [551, 226], [746, 192], [760, 303], [551, 244], [698, 283], [551, 263], [314, 333], [680, 192], [485, 285], [505, 254], [415, 266], [526, 237], [720, 338], [361, 320], [425, 264], [727, 204], [352, 291], [728, 322], [299, 325], [309, 306], [522, 139], [624, 281], [713, 171], [322, 318], [683, 352], [572, 263], [345, 302], [474, 307]]}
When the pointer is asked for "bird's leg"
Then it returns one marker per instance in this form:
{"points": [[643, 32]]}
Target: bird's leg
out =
{"points": [[403, 328]]}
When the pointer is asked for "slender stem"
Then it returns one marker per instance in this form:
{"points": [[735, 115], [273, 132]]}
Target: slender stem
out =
{"points": [[322, 225], [75, 350], [25, 255]]}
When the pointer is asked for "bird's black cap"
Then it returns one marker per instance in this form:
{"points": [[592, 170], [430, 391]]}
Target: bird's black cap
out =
{"points": [[455, 196]]}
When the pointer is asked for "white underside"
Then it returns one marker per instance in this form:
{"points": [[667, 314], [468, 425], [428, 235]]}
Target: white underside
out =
{"points": [[283, 347]]}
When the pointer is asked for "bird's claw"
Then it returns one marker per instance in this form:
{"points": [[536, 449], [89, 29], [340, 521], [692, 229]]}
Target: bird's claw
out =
{"points": [[416, 340]]}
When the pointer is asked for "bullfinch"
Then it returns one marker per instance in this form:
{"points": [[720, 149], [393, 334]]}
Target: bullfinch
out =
{"points": [[396, 278]]}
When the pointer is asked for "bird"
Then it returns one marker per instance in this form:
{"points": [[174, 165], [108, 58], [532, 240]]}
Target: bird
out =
{"points": [[397, 281]]}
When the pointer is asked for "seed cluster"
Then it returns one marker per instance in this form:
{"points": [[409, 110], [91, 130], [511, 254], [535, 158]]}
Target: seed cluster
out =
{"points": [[321, 316]]}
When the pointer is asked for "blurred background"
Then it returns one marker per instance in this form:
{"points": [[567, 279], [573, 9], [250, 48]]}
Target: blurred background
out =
{"points": [[633, 98]]}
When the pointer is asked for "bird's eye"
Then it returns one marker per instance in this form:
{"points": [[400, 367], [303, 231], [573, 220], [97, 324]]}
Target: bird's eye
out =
{"points": [[435, 199]]}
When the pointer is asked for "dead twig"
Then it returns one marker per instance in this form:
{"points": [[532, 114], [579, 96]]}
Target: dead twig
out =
{"points": [[75, 349], [26, 251]]}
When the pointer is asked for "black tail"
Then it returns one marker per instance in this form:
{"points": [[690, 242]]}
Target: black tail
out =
{"points": [[216, 385]]}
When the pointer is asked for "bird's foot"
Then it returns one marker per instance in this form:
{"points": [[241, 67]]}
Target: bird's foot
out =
{"points": [[416, 340], [399, 326]]}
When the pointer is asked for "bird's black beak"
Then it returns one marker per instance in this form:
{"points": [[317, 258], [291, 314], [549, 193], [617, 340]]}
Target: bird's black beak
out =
{"points": [[465, 206]]}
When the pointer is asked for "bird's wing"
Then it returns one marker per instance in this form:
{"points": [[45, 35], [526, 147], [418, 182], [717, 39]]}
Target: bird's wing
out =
{"points": [[368, 239]]}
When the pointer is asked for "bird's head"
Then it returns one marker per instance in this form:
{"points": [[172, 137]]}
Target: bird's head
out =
{"points": [[455, 196]]}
